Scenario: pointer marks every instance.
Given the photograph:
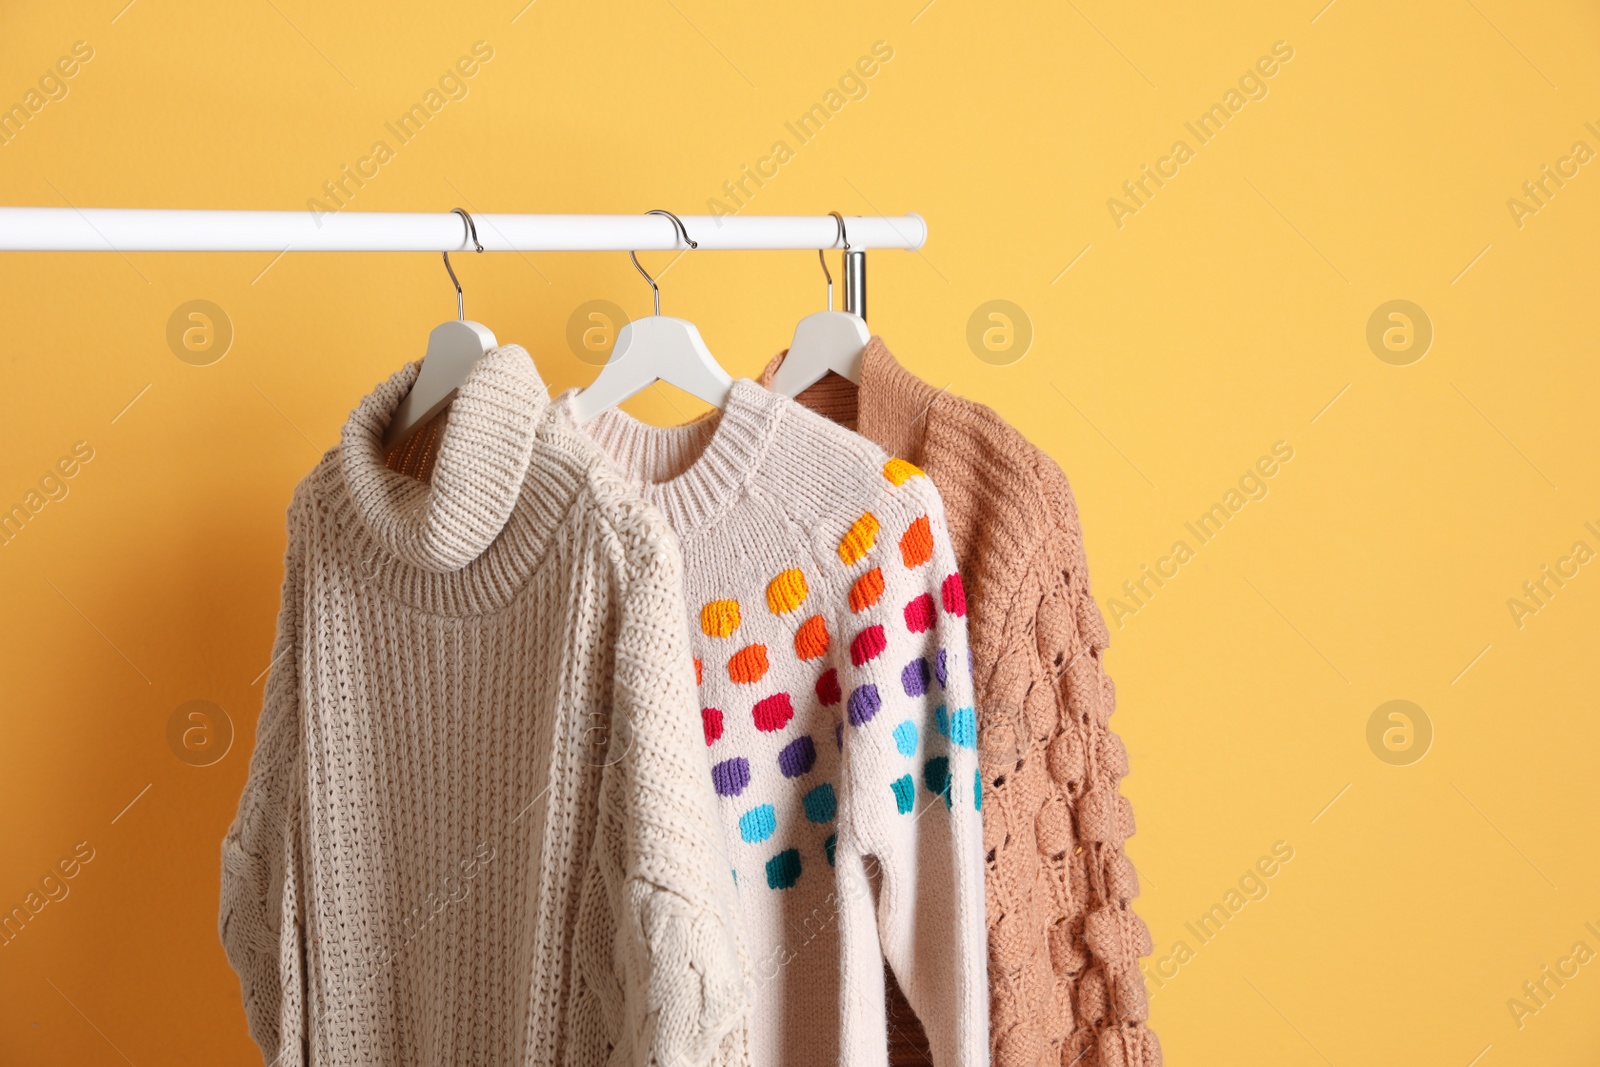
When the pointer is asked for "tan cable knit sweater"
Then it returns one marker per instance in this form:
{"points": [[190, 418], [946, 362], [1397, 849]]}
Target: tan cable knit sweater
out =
{"points": [[478, 827], [1064, 942]]}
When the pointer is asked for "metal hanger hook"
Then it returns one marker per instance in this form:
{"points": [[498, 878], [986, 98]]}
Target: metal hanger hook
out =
{"points": [[472, 232], [655, 290], [823, 259], [843, 237]]}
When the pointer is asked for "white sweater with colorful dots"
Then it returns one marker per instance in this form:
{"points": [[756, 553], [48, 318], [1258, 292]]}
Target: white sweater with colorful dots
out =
{"points": [[829, 633]]}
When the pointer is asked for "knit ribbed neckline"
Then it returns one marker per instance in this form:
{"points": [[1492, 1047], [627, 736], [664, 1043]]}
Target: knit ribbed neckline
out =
{"points": [[693, 471], [459, 544]]}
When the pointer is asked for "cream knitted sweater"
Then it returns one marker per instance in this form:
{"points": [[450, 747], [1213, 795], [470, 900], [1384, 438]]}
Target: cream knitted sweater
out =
{"points": [[476, 828], [828, 625]]}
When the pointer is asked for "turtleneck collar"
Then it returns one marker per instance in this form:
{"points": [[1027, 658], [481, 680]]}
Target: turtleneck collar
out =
{"points": [[488, 441], [694, 471]]}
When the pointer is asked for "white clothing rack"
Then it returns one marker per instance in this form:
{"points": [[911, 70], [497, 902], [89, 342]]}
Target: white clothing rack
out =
{"points": [[67, 229]]}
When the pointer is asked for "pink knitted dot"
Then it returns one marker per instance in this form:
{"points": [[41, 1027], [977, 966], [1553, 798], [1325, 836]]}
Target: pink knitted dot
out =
{"points": [[867, 645], [954, 595], [773, 712], [711, 721], [919, 613]]}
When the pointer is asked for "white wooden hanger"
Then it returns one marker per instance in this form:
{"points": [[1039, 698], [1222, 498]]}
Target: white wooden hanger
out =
{"points": [[655, 348], [453, 349], [824, 341]]}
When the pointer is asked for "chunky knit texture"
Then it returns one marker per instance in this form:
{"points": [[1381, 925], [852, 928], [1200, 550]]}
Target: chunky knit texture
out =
{"points": [[829, 628], [1064, 942], [476, 828]]}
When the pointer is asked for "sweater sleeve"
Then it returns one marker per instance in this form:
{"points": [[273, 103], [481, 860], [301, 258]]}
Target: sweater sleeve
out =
{"points": [[659, 968], [909, 854], [259, 919], [1087, 761]]}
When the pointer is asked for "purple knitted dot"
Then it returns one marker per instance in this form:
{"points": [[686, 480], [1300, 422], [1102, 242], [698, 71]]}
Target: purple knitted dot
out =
{"points": [[838, 735], [939, 669], [731, 776], [864, 704], [797, 757], [915, 677]]}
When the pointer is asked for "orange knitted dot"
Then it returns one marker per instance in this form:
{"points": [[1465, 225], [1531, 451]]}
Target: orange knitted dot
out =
{"points": [[719, 618], [867, 590], [857, 540], [786, 592], [916, 546], [811, 640], [749, 664], [699, 671], [898, 471]]}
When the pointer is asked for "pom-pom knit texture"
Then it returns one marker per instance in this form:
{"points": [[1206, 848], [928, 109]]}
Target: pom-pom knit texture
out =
{"points": [[837, 709], [477, 827], [1064, 942]]}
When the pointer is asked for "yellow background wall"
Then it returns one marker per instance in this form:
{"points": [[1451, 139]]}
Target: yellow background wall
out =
{"points": [[1170, 352]]}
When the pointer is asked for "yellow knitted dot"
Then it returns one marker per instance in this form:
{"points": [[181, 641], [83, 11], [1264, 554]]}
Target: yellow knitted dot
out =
{"points": [[898, 471], [719, 618], [786, 592], [857, 540]]}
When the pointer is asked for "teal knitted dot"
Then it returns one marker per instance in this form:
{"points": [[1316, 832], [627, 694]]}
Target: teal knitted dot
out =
{"points": [[905, 738], [829, 845], [936, 776], [783, 870], [904, 792], [977, 790], [964, 728], [821, 804], [758, 824]]}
